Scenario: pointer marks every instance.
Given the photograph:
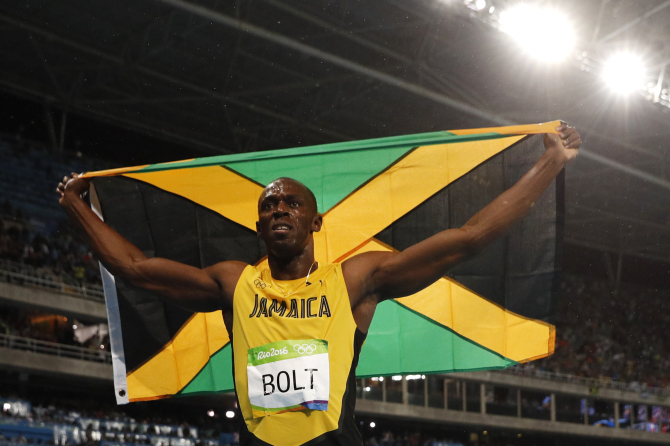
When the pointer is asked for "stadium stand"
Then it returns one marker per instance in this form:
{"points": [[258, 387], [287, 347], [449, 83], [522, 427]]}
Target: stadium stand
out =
{"points": [[21, 422], [34, 241], [52, 328], [28, 175], [612, 336], [55, 256]]}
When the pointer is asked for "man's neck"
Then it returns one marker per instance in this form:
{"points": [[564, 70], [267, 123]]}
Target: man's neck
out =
{"points": [[292, 268]]}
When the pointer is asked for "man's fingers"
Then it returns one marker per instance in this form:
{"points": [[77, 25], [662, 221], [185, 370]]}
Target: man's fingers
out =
{"points": [[569, 135], [574, 137], [576, 144], [567, 131]]}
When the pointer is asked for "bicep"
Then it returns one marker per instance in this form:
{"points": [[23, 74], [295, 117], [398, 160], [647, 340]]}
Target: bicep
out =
{"points": [[407, 272], [194, 289]]}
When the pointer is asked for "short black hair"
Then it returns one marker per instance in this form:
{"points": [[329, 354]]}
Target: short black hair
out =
{"points": [[310, 194]]}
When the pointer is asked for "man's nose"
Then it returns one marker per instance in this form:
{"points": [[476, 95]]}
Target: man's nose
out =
{"points": [[282, 208]]}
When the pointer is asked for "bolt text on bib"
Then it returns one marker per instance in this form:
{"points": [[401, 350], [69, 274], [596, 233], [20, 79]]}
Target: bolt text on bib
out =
{"points": [[282, 382]]}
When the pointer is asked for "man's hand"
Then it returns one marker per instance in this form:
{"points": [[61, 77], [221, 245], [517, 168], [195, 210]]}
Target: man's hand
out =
{"points": [[73, 185], [565, 145]]}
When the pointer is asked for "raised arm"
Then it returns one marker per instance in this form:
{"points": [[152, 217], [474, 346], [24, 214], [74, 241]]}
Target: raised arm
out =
{"points": [[199, 290], [376, 276]]}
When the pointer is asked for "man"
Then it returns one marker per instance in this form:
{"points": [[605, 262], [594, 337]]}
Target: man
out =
{"points": [[297, 327]]}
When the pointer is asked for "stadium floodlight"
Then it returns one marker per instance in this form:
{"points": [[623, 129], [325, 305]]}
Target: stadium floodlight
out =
{"points": [[624, 73], [230, 414], [477, 5], [544, 33]]}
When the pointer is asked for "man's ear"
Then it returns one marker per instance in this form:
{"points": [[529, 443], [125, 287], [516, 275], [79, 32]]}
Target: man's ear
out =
{"points": [[258, 230], [317, 222]]}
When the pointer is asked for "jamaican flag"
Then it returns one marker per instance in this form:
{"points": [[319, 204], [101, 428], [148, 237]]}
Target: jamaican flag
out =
{"points": [[382, 194]]}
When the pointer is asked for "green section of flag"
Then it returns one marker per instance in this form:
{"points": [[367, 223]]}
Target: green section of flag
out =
{"points": [[215, 376], [331, 176], [419, 139], [423, 346], [331, 171]]}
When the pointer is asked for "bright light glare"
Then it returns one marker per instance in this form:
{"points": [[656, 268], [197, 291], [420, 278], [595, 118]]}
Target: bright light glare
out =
{"points": [[230, 414], [372, 424], [624, 73], [477, 5], [544, 33], [210, 413], [6, 406]]}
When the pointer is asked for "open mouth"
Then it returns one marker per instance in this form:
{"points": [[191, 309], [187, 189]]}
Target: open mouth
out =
{"points": [[281, 227]]}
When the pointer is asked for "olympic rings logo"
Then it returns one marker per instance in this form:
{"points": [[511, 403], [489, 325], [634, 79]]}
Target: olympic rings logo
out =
{"points": [[261, 285], [305, 348]]}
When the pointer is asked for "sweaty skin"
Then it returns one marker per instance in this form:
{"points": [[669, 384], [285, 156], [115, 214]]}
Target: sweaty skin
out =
{"points": [[287, 219]]}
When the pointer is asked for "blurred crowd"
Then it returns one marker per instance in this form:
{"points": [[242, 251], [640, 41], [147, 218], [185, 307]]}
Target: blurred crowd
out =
{"points": [[59, 253], [91, 423], [611, 334], [390, 438]]}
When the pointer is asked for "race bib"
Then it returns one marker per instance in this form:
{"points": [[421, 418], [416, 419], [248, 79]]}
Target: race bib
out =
{"points": [[288, 375]]}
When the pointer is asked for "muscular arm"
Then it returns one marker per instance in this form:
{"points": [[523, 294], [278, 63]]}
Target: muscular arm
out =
{"points": [[199, 290], [376, 276]]}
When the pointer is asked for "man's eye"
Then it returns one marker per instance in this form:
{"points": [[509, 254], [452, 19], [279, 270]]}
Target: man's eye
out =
{"points": [[295, 204]]}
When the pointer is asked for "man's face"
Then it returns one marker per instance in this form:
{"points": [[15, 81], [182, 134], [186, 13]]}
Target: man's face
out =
{"points": [[286, 218]]}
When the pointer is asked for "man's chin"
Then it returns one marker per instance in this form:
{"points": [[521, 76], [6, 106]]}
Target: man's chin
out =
{"points": [[284, 248]]}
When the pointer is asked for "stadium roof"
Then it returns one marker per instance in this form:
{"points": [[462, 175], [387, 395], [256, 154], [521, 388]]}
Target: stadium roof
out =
{"points": [[236, 76]]}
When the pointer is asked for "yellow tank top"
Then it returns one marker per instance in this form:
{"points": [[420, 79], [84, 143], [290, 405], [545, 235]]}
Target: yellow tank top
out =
{"points": [[277, 322]]}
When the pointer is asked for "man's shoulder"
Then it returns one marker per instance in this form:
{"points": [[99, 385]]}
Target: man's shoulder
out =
{"points": [[227, 267], [227, 274]]}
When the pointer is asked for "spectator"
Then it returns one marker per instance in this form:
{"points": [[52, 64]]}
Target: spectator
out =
{"points": [[611, 336]]}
